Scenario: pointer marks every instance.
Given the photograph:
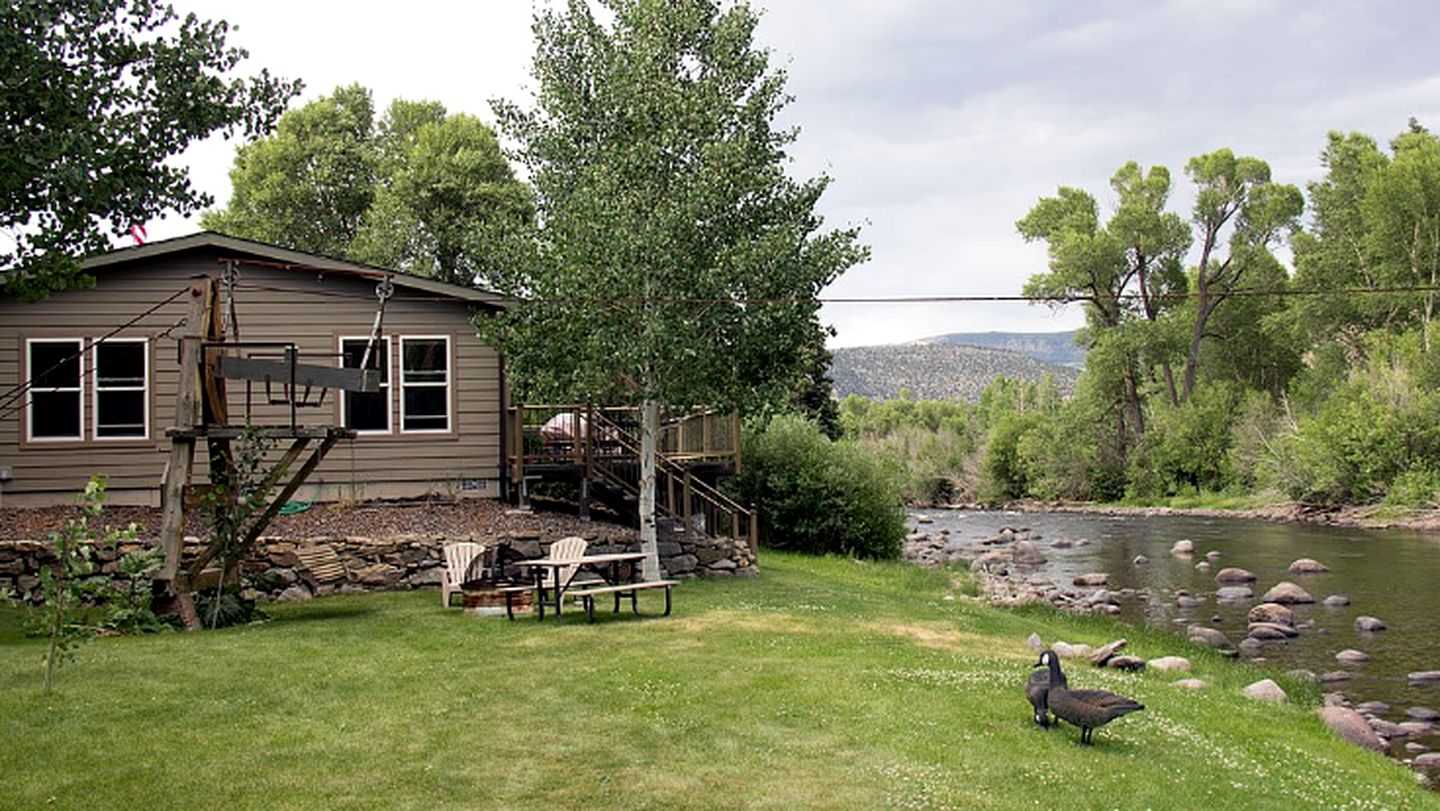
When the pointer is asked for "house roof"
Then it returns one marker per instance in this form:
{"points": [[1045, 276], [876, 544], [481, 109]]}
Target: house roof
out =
{"points": [[292, 260]]}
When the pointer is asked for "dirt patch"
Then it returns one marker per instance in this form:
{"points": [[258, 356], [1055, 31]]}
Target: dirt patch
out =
{"points": [[369, 520], [936, 637]]}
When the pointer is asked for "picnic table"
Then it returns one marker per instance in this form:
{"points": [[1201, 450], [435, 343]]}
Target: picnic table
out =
{"points": [[556, 578]]}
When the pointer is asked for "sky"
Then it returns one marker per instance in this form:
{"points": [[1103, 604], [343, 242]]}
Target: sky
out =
{"points": [[940, 122]]}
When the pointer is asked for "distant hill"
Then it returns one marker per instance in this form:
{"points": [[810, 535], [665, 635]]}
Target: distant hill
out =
{"points": [[935, 371], [1051, 347]]}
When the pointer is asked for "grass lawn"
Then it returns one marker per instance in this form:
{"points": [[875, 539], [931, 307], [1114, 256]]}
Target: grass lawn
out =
{"points": [[822, 683]]}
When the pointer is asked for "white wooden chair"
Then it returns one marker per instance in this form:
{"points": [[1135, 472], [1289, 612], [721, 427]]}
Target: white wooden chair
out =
{"points": [[464, 562]]}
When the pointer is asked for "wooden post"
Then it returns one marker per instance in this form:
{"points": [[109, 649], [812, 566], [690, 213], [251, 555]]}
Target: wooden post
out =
{"points": [[705, 433], [735, 439], [689, 523], [182, 451]]}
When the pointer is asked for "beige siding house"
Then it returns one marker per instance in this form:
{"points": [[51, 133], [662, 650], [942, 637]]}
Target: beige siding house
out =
{"points": [[72, 405]]}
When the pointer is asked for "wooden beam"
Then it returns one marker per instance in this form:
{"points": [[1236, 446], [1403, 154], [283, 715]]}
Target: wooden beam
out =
{"points": [[265, 432], [182, 449], [288, 490], [306, 374]]}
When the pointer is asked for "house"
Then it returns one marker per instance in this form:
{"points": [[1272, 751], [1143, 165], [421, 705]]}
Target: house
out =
{"points": [[73, 405]]}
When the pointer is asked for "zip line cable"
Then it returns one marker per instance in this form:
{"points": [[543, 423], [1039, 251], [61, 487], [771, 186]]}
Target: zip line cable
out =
{"points": [[19, 389]]}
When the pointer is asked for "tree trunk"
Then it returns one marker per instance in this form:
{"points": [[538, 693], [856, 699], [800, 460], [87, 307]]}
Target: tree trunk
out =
{"points": [[1192, 357], [649, 427]]}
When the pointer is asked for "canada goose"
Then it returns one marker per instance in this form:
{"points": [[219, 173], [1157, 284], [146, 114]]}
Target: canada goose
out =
{"points": [[1086, 709], [1035, 690]]}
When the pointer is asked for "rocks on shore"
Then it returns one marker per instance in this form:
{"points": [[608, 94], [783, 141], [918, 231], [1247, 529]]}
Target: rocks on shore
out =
{"points": [[1092, 579], [1265, 690], [1351, 726], [1190, 684], [1171, 663], [1211, 637]]}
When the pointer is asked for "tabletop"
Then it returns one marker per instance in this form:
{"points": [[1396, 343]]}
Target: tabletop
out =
{"points": [[611, 557]]}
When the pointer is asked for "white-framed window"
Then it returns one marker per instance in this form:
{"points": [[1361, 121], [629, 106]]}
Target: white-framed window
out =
{"points": [[121, 368], [56, 399], [424, 384], [366, 412]]}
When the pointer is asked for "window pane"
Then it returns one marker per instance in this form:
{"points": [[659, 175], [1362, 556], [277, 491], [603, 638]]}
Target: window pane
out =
{"points": [[425, 361], [120, 364], [367, 411], [425, 408], [354, 350], [120, 413], [55, 415], [55, 364]]}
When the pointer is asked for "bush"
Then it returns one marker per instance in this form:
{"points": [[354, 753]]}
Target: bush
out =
{"points": [[818, 496]]}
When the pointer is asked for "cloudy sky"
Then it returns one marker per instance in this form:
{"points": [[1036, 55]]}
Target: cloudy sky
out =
{"points": [[940, 122]]}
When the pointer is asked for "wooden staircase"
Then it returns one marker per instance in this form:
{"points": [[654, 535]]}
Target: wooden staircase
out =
{"points": [[599, 449]]}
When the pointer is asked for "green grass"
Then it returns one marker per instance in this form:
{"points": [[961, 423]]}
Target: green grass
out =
{"points": [[1207, 501], [823, 683]]}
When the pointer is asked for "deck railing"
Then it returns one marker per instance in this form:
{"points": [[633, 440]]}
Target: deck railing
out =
{"points": [[604, 442]]}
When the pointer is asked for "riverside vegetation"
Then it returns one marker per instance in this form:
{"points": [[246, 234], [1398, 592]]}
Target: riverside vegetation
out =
{"points": [[825, 682], [1234, 380]]}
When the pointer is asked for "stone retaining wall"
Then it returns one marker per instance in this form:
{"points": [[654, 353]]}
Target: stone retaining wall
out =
{"points": [[396, 563]]}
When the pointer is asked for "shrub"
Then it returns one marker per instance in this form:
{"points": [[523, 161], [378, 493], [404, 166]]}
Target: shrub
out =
{"points": [[819, 496]]}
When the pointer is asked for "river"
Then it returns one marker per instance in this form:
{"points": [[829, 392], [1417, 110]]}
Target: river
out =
{"points": [[1390, 574]]}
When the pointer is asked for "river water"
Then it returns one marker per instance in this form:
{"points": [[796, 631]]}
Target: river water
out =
{"points": [[1390, 574]]}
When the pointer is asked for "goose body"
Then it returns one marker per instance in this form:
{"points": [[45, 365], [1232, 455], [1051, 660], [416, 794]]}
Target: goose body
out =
{"points": [[1086, 709], [1036, 689]]}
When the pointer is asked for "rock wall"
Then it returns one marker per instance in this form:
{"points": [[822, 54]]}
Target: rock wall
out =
{"points": [[396, 563]]}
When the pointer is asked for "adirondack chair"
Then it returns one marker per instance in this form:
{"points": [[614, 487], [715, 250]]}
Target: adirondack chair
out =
{"points": [[464, 562], [571, 547]]}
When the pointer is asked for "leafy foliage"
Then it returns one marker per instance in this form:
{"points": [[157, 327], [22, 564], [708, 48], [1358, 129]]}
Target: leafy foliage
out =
{"points": [[77, 599], [415, 191], [818, 496], [98, 97], [235, 498], [673, 260]]}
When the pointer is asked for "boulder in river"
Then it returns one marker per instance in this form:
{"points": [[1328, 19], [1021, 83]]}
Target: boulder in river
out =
{"points": [[1213, 555], [1186, 601], [1026, 553], [1140, 560], [1062, 543], [1092, 579], [1202, 566], [1337, 601], [1351, 726], [1308, 566], [1350, 656], [1250, 647], [1288, 593], [1369, 625], [1183, 547], [1272, 613], [1265, 690], [1234, 574], [1334, 676], [1424, 677], [1429, 761], [1270, 632], [1425, 714], [1372, 707], [1234, 594]]}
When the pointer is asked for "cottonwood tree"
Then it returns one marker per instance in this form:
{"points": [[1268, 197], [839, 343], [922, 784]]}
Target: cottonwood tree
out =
{"points": [[674, 262], [96, 98], [1125, 271], [415, 190], [1240, 215]]}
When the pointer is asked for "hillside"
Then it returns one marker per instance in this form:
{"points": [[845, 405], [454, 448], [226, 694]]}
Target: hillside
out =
{"points": [[1050, 347], [935, 371]]}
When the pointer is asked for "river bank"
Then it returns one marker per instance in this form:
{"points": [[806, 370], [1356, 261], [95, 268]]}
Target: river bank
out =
{"points": [[1201, 575], [1372, 516]]}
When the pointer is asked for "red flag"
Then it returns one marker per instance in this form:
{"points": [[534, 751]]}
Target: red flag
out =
{"points": [[137, 233]]}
